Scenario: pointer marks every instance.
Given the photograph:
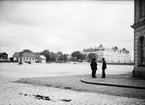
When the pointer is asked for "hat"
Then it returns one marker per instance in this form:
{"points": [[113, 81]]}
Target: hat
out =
{"points": [[103, 59]]}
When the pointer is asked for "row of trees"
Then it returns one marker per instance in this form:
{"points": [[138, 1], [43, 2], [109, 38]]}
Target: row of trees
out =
{"points": [[51, 56], [61, 57], [83, 57]]}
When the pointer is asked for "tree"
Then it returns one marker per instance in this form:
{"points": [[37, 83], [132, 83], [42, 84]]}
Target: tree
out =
{"points": [[72, 59], [76, 54], [60, 56], [65, 57], [46, 53], [53, 56], [91, 56], [83, 57]]}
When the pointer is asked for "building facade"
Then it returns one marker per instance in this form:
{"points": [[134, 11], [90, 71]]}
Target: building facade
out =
{"points": [[117, 57], [139, 38], [41, 59], [3, 56], [26, 57], [16, 56], [111, 55]]}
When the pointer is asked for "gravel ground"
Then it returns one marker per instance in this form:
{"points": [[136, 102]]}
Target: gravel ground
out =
{"points": [[27, 94]]}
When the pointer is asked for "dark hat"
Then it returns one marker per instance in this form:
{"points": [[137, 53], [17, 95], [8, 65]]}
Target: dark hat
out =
{"points": [[103, 59]]}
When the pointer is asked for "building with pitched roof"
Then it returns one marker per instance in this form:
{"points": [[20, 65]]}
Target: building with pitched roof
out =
{"points": [[3, 56], [16, 56], [41, 59], [26, 57]]}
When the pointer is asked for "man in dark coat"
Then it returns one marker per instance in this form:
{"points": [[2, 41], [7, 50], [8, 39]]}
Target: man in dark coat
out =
{"points": [[103, 67], [93, 67]]}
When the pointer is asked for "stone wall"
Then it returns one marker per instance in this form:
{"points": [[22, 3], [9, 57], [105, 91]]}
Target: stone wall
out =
{"points": [[139, 30], [138, 33]]}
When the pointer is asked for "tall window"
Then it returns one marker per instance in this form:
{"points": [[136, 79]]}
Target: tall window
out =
{"points": [[142, 51]]}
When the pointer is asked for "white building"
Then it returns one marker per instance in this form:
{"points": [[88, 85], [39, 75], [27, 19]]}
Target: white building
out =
{"points": [[111, 55], [26, 57], [41, 59], [116, 57]]}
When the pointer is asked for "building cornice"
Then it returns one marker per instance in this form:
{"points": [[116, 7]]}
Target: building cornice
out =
{"points": [[135, 25]]}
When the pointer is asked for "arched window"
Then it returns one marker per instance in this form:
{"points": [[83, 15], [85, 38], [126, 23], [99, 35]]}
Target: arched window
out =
{"points": [[141, 51]]}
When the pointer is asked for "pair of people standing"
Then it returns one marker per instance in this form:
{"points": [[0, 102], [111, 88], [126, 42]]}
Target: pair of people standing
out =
{"points": [[94, 67]]}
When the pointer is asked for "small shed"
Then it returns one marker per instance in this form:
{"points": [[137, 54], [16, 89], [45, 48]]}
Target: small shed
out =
{"points": [[16, 56], [41, 59]]}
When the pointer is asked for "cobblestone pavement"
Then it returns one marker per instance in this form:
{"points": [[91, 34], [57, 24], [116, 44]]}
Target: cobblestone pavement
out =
{"points": [[24, 94]]}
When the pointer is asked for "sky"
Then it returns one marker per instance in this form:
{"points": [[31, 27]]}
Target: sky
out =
{"points": [[65, 26]]}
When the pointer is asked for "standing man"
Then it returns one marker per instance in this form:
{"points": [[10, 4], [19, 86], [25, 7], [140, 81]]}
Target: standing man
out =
{"points": [[93, 67], [103, 67]]}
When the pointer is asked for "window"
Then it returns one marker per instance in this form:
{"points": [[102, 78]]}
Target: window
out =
{"points": [[141, 51], [142, 8]]}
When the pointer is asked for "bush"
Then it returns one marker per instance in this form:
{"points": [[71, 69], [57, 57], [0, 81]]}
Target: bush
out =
{"points": [[29, 62]]}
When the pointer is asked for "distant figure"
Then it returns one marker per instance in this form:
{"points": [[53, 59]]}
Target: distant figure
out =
{"points": [[93, 67], [103, 67]]}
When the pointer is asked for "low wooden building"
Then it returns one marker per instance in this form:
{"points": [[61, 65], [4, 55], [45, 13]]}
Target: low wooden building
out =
{"points": [[3, 56]]}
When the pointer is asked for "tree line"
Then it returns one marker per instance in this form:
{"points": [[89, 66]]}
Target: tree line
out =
{"points": [[62, 57]]}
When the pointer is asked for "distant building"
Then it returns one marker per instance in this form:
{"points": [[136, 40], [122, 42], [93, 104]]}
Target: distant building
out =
{"points": [[16, 56], [41, 59], [111, 55], [69, 56], [139, 38], [26, 57], [3, 56]]}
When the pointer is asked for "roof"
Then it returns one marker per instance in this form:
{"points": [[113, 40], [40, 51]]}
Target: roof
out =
{"points": [[101, 47], [25, 54], [29, 55], [42, 56], [16, 54], [3, 53]]}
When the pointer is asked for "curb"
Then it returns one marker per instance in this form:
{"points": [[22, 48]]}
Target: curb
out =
{"points": [[115, 85]]}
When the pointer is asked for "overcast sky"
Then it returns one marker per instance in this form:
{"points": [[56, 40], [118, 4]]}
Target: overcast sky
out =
{"points": [[65, 25]]}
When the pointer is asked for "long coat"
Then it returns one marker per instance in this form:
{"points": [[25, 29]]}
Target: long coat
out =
{"points": [[104, 65], [93, 65]]}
